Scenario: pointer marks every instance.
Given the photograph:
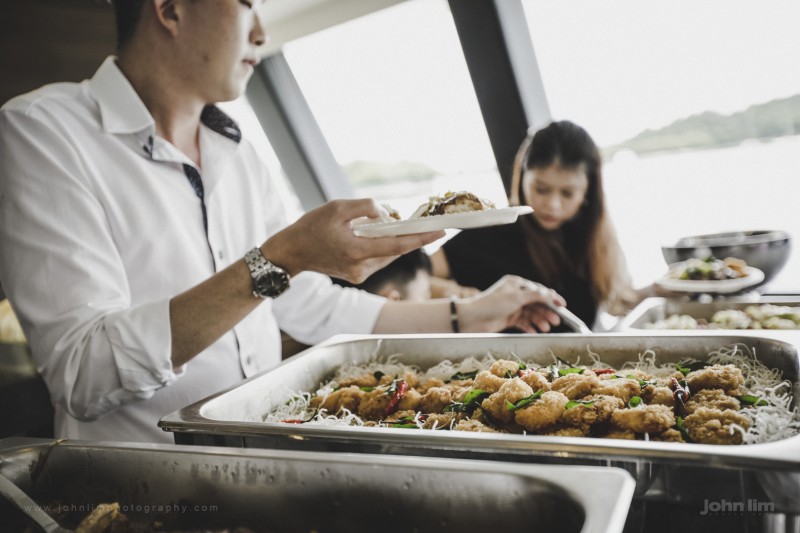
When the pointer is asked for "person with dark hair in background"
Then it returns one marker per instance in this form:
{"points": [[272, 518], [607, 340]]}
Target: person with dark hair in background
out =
{"points": [[567, 243], [406, 278], [145, 247]]}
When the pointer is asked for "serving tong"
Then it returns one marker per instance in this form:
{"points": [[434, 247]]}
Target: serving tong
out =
{"points": [[17, 497], [569, 319]]}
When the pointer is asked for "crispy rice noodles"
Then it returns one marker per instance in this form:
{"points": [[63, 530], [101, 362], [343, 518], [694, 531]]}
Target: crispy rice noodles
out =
{"points": [[754, 406]]}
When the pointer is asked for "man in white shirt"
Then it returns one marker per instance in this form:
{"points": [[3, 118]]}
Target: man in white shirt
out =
{"points": [[127, 204]]}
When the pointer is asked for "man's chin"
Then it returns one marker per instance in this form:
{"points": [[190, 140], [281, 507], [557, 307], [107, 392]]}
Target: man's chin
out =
{"points": [[230, 95]]}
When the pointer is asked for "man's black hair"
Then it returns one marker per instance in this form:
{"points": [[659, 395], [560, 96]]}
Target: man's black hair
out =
{"points": [[401, 272], [128, 14]]}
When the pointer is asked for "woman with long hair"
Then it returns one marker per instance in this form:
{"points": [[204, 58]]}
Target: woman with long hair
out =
{"points": [[568, 243]]}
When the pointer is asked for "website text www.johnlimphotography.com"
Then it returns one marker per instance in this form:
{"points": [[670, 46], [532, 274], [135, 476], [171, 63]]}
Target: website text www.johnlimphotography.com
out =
{"points": [[128, 508]]}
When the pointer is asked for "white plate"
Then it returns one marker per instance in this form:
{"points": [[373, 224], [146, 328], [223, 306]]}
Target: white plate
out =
{"points": [[723, 286], [471, 219]]}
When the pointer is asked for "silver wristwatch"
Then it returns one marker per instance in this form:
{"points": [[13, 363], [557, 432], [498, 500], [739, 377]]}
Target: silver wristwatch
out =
{"points": [[269, 281]]}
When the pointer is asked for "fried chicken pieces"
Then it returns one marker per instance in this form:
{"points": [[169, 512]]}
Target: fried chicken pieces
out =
{"points": [[451, 203], [575, 402]]}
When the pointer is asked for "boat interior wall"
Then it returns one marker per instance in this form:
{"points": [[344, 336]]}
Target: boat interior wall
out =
{"points": [[46, 41]]}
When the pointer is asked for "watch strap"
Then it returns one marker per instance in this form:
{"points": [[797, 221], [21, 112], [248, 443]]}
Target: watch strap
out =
{"points": [[256, 261], [269, 280]]}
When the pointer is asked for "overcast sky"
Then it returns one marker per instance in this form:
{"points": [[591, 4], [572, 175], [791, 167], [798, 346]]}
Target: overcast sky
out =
{"points": [[646, 64], [394, 86]]}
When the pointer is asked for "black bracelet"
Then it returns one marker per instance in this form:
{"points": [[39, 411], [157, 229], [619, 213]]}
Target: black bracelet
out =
{"points": [[454, 315]]}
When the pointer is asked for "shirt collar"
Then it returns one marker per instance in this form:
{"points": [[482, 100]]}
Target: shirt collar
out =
{"points": [[121, 109], [220, 123], [124, 112]]}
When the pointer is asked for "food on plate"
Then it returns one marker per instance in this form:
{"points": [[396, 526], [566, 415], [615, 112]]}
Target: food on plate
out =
{"points": [[727, 398], [450, 203], [447, 204], [708, 269], [764, 316]]}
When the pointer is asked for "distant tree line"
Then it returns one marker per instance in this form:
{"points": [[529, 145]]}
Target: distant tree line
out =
{"points": [[776, 118], [365, 173]]}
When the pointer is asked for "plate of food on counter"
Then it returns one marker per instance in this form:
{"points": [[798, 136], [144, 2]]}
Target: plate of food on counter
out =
{"points": [[710, 275], [764, 316], [451, 210]]}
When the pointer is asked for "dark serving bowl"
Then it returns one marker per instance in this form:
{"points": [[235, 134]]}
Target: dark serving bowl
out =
{"points": [[766, 250]]}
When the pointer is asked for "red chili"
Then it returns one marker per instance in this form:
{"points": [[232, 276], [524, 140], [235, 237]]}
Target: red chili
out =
{"points": [[601, 371], [402, 387], [293, 421], [681, 395]]}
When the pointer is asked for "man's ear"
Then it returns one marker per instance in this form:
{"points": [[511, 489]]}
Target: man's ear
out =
{"points": [[166, 13]]}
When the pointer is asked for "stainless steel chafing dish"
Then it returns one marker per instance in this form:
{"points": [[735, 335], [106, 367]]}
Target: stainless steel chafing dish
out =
{"points": [[688, 473], [273, 490], [652, 310], [238, 411]]}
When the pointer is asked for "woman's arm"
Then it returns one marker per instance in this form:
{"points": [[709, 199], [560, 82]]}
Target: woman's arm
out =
{"points": [[441, 268], [511, 302]]}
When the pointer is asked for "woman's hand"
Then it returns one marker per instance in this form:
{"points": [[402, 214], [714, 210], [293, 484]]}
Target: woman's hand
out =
{"points": [[511, 302], [323, 241]]}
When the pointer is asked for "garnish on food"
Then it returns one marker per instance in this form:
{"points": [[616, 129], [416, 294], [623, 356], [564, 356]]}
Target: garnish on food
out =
{"points": [[451, 203]]}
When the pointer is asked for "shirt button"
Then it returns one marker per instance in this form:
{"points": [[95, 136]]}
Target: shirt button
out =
{"points": [[249, 360], [220, 254]]}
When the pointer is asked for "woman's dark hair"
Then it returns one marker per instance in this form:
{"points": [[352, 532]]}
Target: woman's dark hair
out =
{"points": [[128, 13], [586, 245]]}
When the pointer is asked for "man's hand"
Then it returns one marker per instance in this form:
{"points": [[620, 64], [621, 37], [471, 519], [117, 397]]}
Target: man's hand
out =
{"points": [[323, 241]]}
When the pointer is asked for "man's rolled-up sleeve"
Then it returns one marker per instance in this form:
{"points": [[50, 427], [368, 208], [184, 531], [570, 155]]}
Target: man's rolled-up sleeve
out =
{"points": [[140, 341], [62, 272], [112, 359]]}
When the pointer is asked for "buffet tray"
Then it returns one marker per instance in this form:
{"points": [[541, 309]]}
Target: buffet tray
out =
{"points": [[654, 309], [210, 489], [237, 412], [689, 475]]}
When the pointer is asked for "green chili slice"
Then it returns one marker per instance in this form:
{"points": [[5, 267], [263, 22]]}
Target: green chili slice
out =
{"points": [[576, 403], [571, 370], [524, 401], [749, 399]]}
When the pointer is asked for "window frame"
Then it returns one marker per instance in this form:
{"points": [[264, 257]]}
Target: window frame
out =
{"points": [[494, 38]]}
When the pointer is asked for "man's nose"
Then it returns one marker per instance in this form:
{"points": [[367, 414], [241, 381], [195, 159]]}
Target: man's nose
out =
{"points": [[257, 35]]}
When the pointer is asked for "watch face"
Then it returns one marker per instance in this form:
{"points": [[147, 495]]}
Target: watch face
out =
{"points": [[272, 283]]}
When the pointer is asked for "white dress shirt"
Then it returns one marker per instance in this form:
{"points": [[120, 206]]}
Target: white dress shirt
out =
{"points": [[100, 228]]}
